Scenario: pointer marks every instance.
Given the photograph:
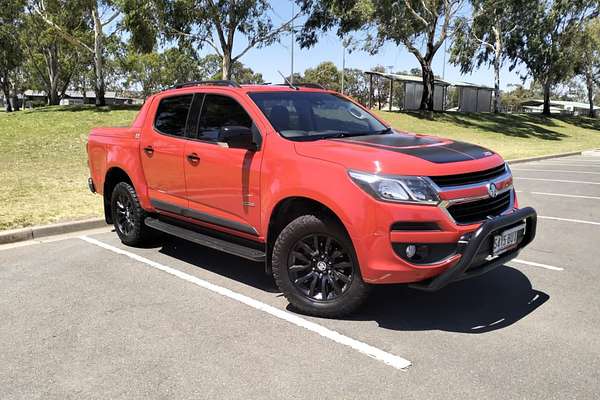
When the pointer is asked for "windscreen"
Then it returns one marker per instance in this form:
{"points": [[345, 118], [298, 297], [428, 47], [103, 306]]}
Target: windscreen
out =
{"points": [[315, 115]]}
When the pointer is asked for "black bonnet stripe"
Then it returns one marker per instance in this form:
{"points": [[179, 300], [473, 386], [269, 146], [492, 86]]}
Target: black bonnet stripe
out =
{"points": [[444, 153]]}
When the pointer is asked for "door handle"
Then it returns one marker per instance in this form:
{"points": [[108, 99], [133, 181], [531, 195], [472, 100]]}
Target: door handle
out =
{"points": [[193, 158], [149, 150]]}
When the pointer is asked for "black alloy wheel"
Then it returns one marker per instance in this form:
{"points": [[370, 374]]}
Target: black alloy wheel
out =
{"points": [[320, 267]]}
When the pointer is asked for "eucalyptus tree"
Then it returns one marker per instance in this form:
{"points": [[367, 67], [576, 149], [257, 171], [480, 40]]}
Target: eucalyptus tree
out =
{"points": [[207, 23], [588, 58], [481, 37], [97, 17], [421, 26], [50, 60], [11, 16], [546, 40]]}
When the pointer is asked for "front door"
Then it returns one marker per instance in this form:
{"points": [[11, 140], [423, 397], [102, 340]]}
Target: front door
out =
{"points": [[162, 147], [223, 182]]}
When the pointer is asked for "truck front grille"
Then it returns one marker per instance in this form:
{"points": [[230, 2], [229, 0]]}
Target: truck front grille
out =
{"points": [[470, 178], [479, 210]]}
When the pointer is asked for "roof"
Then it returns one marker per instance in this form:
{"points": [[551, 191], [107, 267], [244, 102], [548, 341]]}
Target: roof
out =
{"points": [[407, 78], [471, 85], [557, 103]]}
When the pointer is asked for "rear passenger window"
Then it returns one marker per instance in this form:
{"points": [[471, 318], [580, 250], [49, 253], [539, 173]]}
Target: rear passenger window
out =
{"points": [[217, 112], [171, 115]]}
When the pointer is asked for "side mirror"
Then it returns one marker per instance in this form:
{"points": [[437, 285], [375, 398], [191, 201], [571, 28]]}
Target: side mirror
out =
{"points": [[239, 137]]}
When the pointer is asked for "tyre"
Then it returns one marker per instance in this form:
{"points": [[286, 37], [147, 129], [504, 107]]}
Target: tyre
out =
{"points": [[315, 266], [128, 216]]}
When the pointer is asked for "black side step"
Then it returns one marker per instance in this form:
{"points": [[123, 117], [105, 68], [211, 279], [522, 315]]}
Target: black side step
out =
{"points": [[206, 240]]}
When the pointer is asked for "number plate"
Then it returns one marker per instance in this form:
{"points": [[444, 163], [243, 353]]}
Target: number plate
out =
{"points": [[507, 239]]}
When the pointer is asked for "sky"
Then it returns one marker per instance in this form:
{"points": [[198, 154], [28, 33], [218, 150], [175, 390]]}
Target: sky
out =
{"points": [[276, 57]]}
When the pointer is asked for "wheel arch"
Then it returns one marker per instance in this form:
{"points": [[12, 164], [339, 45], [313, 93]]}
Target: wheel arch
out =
{"points": [[113, 176], [290, 208]]}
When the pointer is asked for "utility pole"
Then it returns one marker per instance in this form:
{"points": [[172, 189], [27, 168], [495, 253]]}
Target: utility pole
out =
{"points": [[292, 44], [343, 63], [444, 65]]}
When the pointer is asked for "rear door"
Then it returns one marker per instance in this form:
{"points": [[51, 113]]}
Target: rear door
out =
{"points": [[222, 181], [162, 148]]}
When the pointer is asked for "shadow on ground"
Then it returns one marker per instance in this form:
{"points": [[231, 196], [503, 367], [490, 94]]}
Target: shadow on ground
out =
{"points": [[483, 304], [478, 305]]}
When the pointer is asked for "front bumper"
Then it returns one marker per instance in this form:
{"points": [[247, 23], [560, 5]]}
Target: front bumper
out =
{"points": [[471, 246]]}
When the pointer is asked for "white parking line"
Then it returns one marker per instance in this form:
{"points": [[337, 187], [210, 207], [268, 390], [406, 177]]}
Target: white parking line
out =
{"points": [[556, 180], [562, 164], [534, 264], [555, 170], [579, 221], [387, 358], [576, 196]]}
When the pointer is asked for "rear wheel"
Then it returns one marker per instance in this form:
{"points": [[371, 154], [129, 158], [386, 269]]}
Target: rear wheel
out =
{"points": [[128, 216], [316, 268]]}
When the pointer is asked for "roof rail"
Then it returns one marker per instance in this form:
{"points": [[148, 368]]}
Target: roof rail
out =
{"points": [[213, 83], [311, 85], [305, 84]]}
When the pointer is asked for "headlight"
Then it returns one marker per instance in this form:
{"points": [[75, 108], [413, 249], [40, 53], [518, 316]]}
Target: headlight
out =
{"points": [[401, 189]]}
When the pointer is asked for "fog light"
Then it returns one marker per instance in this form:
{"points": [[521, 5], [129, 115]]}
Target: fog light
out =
{"points": [[411, 250]]}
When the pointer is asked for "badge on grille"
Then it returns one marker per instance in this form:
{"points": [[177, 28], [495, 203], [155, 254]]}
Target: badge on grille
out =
{"points": [[492, 190]]}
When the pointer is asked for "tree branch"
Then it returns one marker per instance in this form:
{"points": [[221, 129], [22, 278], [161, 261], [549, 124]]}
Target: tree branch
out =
{"points": [[206, 39], [255, 41], [416, 14], [67, 36], [111, 19]]}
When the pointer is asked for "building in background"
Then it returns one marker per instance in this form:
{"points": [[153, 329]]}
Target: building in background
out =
{"points": [[73, 97], [559, 107], [474, 98], [409, 97]]}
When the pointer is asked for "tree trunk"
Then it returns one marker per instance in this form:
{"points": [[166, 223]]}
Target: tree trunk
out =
{"points": [[428, 87], [226, 73], [98, 59], [53, 68], [546, 110], [15, 102], [590, 91], [6, 91], [497, 100]]}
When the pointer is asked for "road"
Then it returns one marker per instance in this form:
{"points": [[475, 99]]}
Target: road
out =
{"points": [[86, 317]]}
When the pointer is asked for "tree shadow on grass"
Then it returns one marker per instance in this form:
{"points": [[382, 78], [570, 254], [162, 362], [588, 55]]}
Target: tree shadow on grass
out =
{"points": [[86, 107], [512, 125]]}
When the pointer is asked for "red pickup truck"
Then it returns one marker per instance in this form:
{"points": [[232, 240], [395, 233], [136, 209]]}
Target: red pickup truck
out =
{"points": [[326, 194]]}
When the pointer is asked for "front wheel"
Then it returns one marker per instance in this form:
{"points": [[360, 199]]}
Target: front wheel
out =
{"points": [[315, 266]]}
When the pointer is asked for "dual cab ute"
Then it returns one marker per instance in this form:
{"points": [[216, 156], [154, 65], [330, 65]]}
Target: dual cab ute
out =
{"points": [[312, 184]]}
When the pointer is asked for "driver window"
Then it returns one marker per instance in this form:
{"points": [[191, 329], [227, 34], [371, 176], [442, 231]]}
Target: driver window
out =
{"points": [[217, 112]]}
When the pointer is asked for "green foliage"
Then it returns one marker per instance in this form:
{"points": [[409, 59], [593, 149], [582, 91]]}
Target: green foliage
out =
{"points": [[325, 74], [420, 26], [11, 12], [545, 41], [201, 23], [156, 71]]}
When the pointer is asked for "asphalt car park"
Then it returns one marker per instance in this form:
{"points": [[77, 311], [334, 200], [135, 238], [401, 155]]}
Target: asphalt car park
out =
{"points": [[86, 317]]}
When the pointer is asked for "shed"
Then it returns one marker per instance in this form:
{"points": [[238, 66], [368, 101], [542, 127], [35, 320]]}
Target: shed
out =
{"points": [[474, 98], [412, 90]]}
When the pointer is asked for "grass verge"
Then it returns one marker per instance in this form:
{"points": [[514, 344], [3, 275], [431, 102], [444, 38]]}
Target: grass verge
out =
{"points": [[43, 167]]}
